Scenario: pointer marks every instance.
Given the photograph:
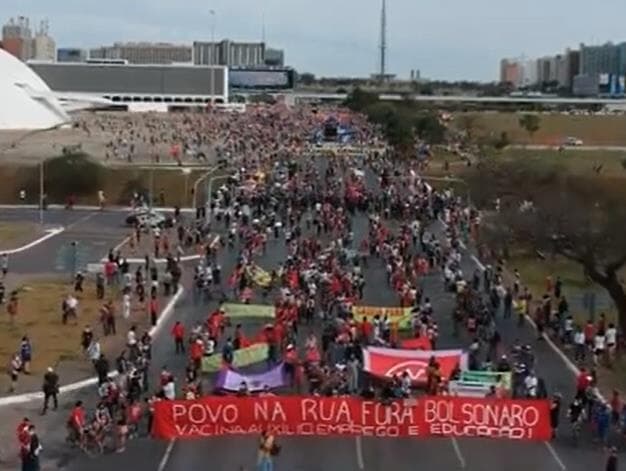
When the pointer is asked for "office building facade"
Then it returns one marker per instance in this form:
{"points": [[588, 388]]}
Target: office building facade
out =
{"points": [[144, 53], [229, 53]]}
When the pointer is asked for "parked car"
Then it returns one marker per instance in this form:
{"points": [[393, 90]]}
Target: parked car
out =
{"points": [[573, 142], [147, 218]]}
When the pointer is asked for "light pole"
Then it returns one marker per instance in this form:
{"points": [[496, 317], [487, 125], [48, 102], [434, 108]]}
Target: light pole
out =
{"points": [[41, 189], [186, 172], [210, 59], [151, 196]]}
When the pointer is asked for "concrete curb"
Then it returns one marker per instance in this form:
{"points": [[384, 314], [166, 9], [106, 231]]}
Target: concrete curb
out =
{"points": [[28, 397], [159, 261], [49, 233]]}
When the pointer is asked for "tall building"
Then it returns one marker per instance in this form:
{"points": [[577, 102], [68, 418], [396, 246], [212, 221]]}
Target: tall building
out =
{"points": [[607, 58], [17, 38], [510, 71], [44, 47], [229, 53], [144, 53], [528, 72]]}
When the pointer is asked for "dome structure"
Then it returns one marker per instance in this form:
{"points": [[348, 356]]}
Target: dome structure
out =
{"points": [[26, 102]]}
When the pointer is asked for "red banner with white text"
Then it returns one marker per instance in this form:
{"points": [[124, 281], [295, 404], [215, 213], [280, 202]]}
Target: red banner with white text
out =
{"points": [[444, 416], [390, 362]]}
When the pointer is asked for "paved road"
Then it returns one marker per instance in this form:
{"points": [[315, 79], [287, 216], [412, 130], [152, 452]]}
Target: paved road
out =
{"points": [[315, 454], [95, 231], [583, 148]]}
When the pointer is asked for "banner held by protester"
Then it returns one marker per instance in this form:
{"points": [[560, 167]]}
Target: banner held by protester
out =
{"points": [[243, 357], [430, 416]]}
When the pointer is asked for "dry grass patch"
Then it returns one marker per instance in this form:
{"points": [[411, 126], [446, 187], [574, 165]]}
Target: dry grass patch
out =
{"points": [[598, 130], [40, 318], [16, 234]]}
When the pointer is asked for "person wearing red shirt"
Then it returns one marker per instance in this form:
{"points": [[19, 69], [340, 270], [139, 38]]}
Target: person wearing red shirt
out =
{"points": [[589, 332], [154, 309], [366, 331], [178, 332], [197, 350], [76, 421], [23, 438], [583, 381]]}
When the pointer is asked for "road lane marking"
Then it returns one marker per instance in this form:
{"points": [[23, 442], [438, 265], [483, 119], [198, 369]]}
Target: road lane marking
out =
{"points": [[478, 263], [49, 233], [81, 220], [555, 455], [359, 453], [457, 451], [166, 456]]}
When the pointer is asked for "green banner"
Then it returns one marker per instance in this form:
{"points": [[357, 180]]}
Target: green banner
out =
{"points": [[489, 378], [244, 357], [248, 310]]}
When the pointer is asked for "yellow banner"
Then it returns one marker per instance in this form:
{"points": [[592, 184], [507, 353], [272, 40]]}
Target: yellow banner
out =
{"points": [[243, 357], [248, 310], [397, 315], [259, 276]]}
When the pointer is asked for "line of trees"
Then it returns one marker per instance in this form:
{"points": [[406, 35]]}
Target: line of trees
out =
{"points": [[546, 210], [402, 122]]}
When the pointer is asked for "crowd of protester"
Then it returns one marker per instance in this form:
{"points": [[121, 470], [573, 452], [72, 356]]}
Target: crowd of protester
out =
{"points": [[336, 218]]}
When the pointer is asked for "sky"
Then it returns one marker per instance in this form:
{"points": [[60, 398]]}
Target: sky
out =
{"points": [[444, 39]]}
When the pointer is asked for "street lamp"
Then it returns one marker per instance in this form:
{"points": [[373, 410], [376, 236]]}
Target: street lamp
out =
{"points": [[41, 197], [210, 59], [186, 172], [210, 195]]}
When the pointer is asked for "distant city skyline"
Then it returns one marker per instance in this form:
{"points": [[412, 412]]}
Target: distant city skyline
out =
{"points": [[451, 40]]}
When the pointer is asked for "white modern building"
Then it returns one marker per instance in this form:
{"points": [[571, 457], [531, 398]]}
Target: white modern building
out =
{"points": [[29, 104]]}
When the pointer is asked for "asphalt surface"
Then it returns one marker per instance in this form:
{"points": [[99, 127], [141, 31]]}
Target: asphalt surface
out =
{"points": [[316, 454], [95, 232]]}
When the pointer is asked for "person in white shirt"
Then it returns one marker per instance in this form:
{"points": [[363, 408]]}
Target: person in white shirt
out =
{"points": [[169, 390], [611, 341], [93, 351], [131, 337], [579, 345], [599, 346], [126, 305], [531, 382]]}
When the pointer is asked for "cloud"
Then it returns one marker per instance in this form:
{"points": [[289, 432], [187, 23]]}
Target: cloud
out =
{"points": [[444, 38]]}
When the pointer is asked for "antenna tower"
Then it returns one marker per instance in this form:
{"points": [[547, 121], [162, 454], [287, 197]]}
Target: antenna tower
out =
{"points": [[383, 40]]}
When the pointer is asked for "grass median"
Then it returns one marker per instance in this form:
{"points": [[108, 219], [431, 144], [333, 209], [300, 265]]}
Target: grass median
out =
{"points": [[54, 343], [554, 128], [16, 234]]}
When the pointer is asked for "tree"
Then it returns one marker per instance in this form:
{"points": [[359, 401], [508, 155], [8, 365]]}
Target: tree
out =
{"points": [[71, 173], [359, 99], [429, 128], [570, 216], [306, 78], [530, 123]]}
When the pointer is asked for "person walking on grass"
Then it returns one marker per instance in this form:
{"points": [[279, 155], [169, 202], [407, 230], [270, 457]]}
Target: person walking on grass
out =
{"points": [[26, 354], [15, 366]]}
